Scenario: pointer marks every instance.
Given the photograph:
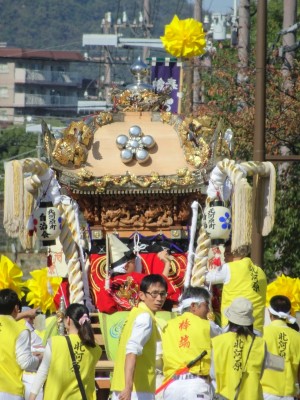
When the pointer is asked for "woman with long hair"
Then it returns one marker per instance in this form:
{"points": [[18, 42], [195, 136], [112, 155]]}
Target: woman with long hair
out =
{"points": [[57, 369], [238, 355]]}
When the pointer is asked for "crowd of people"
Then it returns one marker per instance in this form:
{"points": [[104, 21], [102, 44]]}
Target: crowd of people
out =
{"points": [[244, 359]]}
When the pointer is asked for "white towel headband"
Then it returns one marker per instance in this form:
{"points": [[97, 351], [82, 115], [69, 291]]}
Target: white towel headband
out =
{"points": [[187, 302], [282, 315]]}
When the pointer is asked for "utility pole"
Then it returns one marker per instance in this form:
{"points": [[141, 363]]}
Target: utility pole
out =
{"points": [[288, 40], [196, 73], [107, 57], [243, 41], [146, 26], [260, 115]]}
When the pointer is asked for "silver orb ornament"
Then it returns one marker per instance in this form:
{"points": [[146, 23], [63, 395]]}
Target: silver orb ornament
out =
{"points": [[126, 155], [133, 144], [135, 131], [148, 141], [121, 141], [142, 156]]}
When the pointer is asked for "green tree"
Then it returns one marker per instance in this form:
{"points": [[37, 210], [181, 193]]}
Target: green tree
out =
{"points": [[15, 143], [234, 103]]}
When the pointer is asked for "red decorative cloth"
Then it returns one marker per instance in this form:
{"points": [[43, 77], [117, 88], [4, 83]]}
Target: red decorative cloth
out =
{"points": [[123, 292], [63, 291]]}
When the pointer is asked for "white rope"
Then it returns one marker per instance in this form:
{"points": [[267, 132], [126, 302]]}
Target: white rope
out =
{"points": [[137, 249], [190, 257]]}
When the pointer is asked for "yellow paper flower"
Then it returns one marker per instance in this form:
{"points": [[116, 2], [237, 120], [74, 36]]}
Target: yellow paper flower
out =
{"points": [[42, 290], [184, 38], [11, 276], [285, 286]]}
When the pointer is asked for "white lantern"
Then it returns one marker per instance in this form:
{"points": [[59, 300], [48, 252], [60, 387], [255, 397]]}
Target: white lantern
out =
{"points": [[217, 221], [47, 223]]}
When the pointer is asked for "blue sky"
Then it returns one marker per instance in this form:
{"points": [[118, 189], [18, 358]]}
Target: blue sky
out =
{"points": [[222, 6]]}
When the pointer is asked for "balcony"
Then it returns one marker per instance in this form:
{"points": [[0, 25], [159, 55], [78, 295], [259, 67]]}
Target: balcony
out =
{"points": [[39, 100], [57, 78]]}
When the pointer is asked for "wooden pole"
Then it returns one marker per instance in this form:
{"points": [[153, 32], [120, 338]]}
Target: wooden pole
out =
{"points": [[260, 115]]}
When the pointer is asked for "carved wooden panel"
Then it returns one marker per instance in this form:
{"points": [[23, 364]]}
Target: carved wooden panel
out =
{"points": [[137, 212]]}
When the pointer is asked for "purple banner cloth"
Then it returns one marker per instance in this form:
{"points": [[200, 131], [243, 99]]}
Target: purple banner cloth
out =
{"points": [[162, 74]]}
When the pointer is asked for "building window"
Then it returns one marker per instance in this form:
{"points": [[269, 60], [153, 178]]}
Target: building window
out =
{"points": [[3, 68], [3, 115], [3, 91]]}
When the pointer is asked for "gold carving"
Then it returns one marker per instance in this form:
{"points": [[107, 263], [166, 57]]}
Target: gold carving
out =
{"points": [[72, 148], [132, 213], [183, 178], [143, 100], [195, 134], [128, 290]]}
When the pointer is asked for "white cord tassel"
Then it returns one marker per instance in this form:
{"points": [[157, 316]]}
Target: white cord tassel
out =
{"points": [[107, 273], [190, 258], [136, 249]]}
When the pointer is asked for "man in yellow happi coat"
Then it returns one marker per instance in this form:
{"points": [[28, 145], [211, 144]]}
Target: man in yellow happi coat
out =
{"points": [[241, 277], [134, 372], [282, 341], [15, 352], [184, 339]]}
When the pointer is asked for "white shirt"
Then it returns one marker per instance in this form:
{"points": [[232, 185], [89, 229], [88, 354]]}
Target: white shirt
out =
{"points": [[141, 332], [36, 340], [43, 370], [218, 275]]}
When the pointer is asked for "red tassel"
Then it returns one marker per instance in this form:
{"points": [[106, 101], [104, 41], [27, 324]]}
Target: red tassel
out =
{"points": [[49, 260]]}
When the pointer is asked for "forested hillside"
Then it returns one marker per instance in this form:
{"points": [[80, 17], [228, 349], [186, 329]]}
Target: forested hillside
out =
{"points": [[59, 24]]}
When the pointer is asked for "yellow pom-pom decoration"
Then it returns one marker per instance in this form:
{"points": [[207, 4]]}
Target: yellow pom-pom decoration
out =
{"points": [[184, 38], [42, 290], [11, 276], [285, 286]]}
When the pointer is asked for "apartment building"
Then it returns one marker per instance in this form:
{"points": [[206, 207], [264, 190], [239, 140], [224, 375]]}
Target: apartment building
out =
{"points": [[39, 83]]}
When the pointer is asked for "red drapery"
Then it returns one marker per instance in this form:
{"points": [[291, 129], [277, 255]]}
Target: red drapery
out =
{"points": [[123, 288]]}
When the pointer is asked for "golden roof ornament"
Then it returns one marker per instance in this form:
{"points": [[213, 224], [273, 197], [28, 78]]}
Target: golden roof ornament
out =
{"points": [[140, 96]]}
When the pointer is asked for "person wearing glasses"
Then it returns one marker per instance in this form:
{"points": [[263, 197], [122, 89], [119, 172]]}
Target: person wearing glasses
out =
{"points": [[134, 372], [184, 339]]}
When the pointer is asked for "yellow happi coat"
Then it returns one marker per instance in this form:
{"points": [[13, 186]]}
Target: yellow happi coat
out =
{"points": [[144, 373], [229, 356], [10, 371], [249, 281], [285, 342], [61, 381], [183, 339]]}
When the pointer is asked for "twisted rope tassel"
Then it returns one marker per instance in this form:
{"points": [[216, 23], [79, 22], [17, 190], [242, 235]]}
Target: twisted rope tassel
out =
{"points": [[188, 272], [264, 205], [71, 254], [37, 168], [34, 166], [201, 256], [241, 207], [70, 214]]}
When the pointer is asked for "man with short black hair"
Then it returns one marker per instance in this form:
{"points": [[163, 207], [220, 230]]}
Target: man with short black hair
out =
{"points": [[284, 342], [15, 352], [134, 372]]}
